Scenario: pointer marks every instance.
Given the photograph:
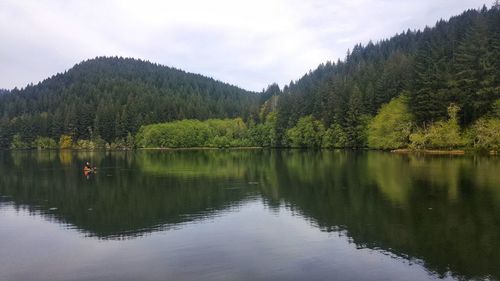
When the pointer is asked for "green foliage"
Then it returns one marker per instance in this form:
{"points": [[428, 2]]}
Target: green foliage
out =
{"points": [[129, 141], [44, 143], [220, 141], [259, 135], [391, 127], [355, 122], [99, 143], [486, 134], [19, 143], [122, 144], [445, 135], [270, 104], [419, 139], [266, 134], [334, 137], [271, 129], [185, 133], [65, 142], [441, 134], [306, 133], [495, 112], [194, 133], [85, 145]]}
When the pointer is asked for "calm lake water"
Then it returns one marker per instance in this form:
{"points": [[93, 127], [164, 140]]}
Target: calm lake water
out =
{"points": [[248, 215]]}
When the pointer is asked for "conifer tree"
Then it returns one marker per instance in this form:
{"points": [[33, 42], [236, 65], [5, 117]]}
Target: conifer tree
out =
{"points": [[353, 120], [475, 72]]}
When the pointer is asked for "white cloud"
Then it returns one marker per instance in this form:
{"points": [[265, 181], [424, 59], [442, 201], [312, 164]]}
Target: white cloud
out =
{"points": [[247, 43]]}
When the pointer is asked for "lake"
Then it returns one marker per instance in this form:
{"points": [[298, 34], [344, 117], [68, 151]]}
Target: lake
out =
{"points": [[248, 215]]}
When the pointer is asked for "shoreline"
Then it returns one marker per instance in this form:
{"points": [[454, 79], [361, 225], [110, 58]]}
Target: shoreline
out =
{"points": [[457, 152], [441, 152], [143, 148], [200, 148], [429, 151]]}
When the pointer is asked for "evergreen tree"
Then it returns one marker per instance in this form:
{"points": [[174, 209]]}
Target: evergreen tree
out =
{"points": [[428, 94], [475, 72], [354, 121]]}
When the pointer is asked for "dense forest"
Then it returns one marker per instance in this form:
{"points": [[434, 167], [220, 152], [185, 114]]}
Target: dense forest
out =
{"points": [[432, 88], [112, 97]]}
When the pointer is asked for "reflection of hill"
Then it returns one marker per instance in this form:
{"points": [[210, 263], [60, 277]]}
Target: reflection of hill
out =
{"points": [[440, 210], [119, 201]]}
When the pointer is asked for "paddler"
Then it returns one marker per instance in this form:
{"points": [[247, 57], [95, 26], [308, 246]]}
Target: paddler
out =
{"points": [[87, 167]]}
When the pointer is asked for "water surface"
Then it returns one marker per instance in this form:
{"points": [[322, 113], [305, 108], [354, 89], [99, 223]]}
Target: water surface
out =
{"points": [[248, 215]]}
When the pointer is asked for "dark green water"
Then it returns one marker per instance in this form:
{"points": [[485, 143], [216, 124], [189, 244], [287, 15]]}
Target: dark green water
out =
{"points": [[248, 215]]}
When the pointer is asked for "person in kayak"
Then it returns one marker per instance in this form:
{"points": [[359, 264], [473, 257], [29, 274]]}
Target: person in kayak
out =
{"points": [[87, 167], [87, 170]]}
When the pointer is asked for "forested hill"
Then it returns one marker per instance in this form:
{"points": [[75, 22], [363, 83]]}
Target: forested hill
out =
{"points": [[111, 97], [456, 61]]}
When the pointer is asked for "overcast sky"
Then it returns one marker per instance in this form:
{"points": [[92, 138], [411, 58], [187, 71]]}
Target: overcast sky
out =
{"points": [[247, 43]]}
